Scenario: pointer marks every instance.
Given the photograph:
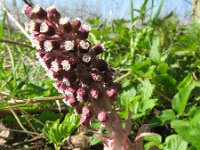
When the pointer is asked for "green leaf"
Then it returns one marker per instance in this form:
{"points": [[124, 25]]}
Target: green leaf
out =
{"points": [[153, 141], [147, 89], [127, 96], [154, 138], [166, 116], [175, 142], [179, 101], [94, 141], [57, 132], [188, 130]]}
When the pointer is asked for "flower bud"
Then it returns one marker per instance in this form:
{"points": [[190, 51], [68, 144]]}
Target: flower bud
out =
{"points": [[113, 89], [65, 24], [69, 91], [96, 76], [47, 29], [55, 65], [76, 23], [83, 32], [102, 117], [101, 65], [108, 76], [84, 46], [34, 26], [27, 10], [38, 44], [83, 120], [86, 59], [71, 101], [95, 93], [57, 84], [81, 95], [86, 111], [66, 65], [98, 49], [39, 13], [53, 74], [51, 45], [69, 45], [53, 14]]}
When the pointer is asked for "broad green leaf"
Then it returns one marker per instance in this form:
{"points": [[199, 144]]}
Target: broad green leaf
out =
{"points": [[188, 130], [147, 89], [154, 138], [175, 142], [153, 141], [166, 116], [179, 101], [127, 96], [57, 132]]}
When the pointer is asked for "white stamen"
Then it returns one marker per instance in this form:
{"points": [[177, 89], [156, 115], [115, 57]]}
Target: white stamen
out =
{"points": [[84, 44], [48, 46], [86, 58], [66, 65], [64, 20], [69, 45], [44, 27], [55, 66], [36, 9]]}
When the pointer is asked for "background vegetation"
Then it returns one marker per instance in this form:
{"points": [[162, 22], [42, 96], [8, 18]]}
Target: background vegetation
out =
{"points": [[157, 62]]}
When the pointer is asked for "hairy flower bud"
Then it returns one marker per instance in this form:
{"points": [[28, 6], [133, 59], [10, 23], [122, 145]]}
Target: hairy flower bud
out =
{"points": [[96, 76], [53, 14], [76, 23], [102, 116], [113, 89], [65, 24], [101, 65], [81, 95], [84, 46], [83, 32], [51, 45], [98, 49], [71, 101], [95, 93], [86, 111], [27, 10], [39, 13], [83, 120], [47, 29]]}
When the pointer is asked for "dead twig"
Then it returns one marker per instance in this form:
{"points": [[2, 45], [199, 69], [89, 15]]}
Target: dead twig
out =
{"points": [[15, 43]]}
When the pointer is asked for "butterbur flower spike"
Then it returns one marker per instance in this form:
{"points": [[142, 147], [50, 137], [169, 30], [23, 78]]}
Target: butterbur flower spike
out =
{"points": [[71, 60]]}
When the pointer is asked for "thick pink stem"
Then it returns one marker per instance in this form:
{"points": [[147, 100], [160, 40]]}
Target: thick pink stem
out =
{"points": [[117, 136]]}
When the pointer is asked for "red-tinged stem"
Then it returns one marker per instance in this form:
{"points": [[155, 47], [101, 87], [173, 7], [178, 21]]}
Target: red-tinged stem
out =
{"points": [[117, 138]]}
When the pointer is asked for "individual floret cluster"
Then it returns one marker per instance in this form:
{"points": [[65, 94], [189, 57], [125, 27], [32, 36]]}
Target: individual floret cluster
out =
{"points": [[72, 61]]}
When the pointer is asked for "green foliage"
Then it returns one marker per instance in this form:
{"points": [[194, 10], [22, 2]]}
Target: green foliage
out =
{"points": [[157, 62], [57, 132]]}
